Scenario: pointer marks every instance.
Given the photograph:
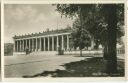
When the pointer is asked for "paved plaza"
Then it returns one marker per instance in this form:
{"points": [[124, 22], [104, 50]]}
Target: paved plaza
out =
{"points": [[18, 66]]}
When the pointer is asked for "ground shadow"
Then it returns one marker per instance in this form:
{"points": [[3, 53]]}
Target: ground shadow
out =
{"points": [[92, 67]]}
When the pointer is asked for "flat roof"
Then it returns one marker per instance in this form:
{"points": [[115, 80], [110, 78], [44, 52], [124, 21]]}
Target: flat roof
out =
{"points": [[58, 31]]}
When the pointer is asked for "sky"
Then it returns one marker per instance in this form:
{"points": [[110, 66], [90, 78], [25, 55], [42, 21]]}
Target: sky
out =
{"points": [[21, 19]]}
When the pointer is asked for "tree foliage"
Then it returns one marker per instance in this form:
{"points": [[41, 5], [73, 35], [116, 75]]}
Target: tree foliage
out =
{"points": [[80, 36], [93, 17]]}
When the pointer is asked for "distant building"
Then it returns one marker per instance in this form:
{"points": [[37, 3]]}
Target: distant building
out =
{"points": [[45, 41], [8, 49]]}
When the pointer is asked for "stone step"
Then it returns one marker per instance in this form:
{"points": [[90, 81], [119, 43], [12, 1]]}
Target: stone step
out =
{"points": [[44, 53]]}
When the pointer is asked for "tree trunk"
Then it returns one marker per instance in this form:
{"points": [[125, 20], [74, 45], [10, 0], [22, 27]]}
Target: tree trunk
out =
{"points": [[80, 52], [96, 45], [105, 51], [87, 47], [111, 19]]}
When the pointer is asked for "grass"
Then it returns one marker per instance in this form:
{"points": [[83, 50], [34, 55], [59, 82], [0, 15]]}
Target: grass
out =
{"points": [[92, 67]]}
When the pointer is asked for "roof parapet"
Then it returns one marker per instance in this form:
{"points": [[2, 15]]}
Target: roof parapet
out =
{"points": [[43, 33]]}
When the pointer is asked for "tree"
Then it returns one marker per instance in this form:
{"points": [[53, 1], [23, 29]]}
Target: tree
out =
{"points": [[111, 18], [80, 36], [99, 19]]}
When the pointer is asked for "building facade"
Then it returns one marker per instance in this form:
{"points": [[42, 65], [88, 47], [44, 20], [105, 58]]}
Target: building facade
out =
{"points": [[45, 41]]}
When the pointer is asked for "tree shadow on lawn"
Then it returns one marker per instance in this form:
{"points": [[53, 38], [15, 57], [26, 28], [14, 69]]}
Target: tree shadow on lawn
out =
{"points": [[92, 67]]}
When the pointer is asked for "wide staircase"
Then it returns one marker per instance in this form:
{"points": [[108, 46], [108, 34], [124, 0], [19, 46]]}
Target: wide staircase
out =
{"points": [[77, 52], [43, 53], [51, 53]]}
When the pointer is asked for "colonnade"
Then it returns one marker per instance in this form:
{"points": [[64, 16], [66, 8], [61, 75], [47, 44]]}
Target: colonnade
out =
{"points": [[44, 43]]}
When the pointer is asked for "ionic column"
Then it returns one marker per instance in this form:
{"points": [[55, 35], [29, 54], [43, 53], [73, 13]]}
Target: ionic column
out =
{"points": [[57, 45], [14, 46], [36, 45], [62, 42], [17, 46], [23, 45], [29, 44], [48, 43], [44, 43], [40, 44], [32, 44], [67, 42], [53, 43]]}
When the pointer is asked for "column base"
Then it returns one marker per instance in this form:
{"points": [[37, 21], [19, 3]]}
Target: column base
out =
{"points": [[38, 49]]}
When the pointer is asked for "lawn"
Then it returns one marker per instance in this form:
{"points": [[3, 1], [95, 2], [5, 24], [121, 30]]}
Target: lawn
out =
{"points": [[91, 67]]}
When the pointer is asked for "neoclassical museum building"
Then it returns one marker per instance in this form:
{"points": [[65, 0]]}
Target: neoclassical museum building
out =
{"points": [[44, 41]]}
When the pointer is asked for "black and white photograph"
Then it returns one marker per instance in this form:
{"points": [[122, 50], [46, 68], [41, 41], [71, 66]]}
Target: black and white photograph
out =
{"points": [[0, 40], [64, 40]]}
